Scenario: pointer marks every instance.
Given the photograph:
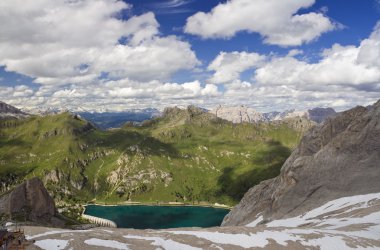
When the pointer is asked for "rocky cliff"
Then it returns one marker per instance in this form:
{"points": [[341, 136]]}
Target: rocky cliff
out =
{"points": [[238, 114], [31, 201], [338, 158]]}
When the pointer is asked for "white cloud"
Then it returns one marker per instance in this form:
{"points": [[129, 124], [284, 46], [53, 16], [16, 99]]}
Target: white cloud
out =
{"points": [[229, 66], [355, 66], [276, 21], [295, 52], [113, 95], [22, 91], [157, 58], [61, 42], [344, 76], [142, 64]]}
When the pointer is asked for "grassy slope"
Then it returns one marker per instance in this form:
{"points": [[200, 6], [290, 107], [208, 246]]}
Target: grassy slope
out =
{"points": [[206, 159]]}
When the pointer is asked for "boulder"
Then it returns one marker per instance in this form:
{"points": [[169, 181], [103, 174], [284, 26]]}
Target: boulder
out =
{"points": [[29, 199]]}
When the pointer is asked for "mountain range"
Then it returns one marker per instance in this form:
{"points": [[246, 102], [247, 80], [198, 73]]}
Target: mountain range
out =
{"points": [[240, 114], [326, 195], [235, 114], [186, 155]]}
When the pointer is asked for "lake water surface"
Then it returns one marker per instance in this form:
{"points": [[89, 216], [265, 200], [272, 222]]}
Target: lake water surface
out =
{"points": [[159, 217]]}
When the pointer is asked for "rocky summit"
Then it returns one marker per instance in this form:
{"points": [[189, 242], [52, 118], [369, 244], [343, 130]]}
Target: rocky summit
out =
{"points": [[338, 158], [238, 114]]}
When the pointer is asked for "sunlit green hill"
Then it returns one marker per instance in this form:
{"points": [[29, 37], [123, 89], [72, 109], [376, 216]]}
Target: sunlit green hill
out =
{"points": [[186, 155]]}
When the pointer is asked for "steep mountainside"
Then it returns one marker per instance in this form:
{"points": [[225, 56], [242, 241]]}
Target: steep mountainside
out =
{"points": [[185, 155], [8, 111], [338, 158]]}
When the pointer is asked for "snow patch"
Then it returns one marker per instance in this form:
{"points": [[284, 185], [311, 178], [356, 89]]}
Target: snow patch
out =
{"points": [[107, 243], [52, 244], [108, 231], [243, 240], [350, 203], [30, 237], [160, 242], [255, 222]]}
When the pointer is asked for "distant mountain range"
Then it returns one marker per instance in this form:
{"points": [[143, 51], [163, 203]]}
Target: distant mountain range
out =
{"points": [[7, 110], [237, 114], [240, 114], [109, 120]]}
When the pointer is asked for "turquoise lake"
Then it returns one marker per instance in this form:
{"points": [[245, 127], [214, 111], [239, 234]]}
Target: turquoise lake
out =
{"points": [[159, 217]]}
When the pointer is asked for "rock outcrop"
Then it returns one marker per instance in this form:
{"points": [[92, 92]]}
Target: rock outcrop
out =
{"points": [[238, 114], [31, 201], [340, 157]]}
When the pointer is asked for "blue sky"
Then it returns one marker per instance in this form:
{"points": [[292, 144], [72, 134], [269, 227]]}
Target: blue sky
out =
{"points": [[180, 52]]}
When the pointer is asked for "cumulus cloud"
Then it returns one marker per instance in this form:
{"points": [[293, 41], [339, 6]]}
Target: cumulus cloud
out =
{"points": [[83, 56], [354, 66], [61, 42], [114, 95], [276, 21], [229, 66], [343, 76]]}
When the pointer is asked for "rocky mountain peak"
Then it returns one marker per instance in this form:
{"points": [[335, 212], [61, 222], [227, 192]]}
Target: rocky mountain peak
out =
{"points": [[337, 158], [238, 114], [171, 111]]}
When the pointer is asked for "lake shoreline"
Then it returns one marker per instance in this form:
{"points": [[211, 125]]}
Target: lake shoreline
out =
{"points": [[155, 216], [164, 204]]}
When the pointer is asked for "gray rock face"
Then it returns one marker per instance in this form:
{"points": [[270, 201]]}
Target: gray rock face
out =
{"points": [[242, 114], [340, 157], [238, 114], [31, 199], [8, 111]]}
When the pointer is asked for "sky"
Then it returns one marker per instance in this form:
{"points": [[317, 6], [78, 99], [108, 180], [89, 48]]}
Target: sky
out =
{"points": [[109, 55]]}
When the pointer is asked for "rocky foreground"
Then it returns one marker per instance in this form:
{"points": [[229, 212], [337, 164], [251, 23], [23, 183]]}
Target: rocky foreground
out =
{"points": [[345, 223]]}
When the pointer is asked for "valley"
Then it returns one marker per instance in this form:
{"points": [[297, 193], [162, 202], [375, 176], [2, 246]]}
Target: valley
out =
{"points": [[187, 155]]}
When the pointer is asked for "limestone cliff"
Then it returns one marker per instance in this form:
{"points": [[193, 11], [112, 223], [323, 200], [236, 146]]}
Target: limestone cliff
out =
{"points": [[29, 200], [340, 157]]}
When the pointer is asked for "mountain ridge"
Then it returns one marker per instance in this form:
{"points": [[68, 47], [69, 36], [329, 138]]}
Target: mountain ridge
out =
{"points": [[240, 114], [8, 111]]}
